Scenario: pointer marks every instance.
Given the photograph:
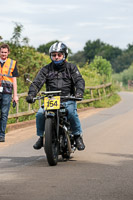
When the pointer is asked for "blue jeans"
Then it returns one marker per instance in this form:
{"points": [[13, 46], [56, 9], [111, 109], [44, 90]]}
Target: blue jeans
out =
{"points": [[4, 110], [71, 106]]}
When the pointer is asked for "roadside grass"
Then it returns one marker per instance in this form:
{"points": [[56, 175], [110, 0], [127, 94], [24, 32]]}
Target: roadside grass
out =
{"points": [[104, 103], [107, 102]]}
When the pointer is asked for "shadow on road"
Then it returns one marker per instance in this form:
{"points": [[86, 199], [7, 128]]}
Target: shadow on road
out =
{"points": [[118, 155], [37, 161], [34, 179]]}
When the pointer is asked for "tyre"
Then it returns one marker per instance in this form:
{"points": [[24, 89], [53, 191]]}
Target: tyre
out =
{"points": [[51, 142]]}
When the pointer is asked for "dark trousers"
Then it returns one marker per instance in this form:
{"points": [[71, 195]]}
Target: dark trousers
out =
{"points": [[5, 101]]}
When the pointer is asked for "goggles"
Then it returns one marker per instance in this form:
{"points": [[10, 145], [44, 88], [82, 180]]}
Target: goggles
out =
{"points": [[56, 54]]}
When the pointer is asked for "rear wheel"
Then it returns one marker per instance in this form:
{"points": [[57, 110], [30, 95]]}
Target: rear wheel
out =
{"points": [[66, 155], [65, 150], [51, 142]]}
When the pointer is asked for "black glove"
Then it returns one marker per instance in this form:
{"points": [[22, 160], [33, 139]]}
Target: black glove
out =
{"points": [[78, 95], [30, 99]]}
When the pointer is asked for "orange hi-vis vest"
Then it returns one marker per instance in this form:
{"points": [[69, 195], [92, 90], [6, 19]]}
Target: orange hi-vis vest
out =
{"points": [[6, 78]]}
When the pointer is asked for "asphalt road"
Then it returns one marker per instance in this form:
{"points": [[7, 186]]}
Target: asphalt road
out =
{"points": [[103, 171]]}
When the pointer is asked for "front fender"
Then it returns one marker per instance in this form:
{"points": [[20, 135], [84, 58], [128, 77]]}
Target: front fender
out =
{"points": [[50, 114]]}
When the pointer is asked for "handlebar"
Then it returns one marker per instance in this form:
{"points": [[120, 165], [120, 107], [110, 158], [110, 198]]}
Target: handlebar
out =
{"points": [[38, 98], [53, 93], [71, 98]]}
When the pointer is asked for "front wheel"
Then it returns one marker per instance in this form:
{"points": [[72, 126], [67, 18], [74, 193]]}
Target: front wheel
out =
{"points": [[51, 142]]}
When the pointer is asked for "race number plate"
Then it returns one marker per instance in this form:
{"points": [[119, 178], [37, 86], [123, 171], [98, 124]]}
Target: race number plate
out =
{"points": [[52, 103]]}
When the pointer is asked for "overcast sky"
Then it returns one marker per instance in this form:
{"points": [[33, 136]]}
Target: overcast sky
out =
{"points": [[73, 22]]}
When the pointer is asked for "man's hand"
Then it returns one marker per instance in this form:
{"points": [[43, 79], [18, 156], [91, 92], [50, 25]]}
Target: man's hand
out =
{"points": [[78, 95], [30, 99]]}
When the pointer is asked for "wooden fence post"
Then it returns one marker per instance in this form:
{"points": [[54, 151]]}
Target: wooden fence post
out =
{"points": [[91, 93]]}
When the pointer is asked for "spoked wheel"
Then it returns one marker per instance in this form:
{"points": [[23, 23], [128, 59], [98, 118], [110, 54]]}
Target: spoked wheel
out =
{"points": [[51, 142]]}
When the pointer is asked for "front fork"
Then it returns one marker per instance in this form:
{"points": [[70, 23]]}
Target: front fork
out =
{"points": [[54, 115]]}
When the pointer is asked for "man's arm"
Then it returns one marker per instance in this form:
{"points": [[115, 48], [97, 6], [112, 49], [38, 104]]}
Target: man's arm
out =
{"points": [[15, 96], [38, 82], [78, 80]]}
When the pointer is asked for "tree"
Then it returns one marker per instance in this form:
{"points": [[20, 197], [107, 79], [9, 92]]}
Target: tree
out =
{"points": [[17, 34], [78, 57], [123, 61], [25, 41], [129, 47], [44, 48], [109, 52], [92, 49], [102, 66]]}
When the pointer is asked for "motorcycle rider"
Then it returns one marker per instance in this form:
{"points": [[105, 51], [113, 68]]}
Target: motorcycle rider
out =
{"points": [[64, 76]]}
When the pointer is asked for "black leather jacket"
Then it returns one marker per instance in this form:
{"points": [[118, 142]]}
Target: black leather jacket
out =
{"points": [[66, 78]]}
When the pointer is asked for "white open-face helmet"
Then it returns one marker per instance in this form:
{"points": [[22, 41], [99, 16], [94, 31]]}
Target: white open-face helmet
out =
{"points": [[59, 47]]}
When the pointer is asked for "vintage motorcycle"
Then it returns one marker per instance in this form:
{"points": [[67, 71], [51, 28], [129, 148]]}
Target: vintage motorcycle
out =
{"points": [[58, 138]]}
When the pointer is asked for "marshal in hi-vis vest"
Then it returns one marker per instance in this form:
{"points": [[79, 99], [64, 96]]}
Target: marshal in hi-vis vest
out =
{"points": [[6, 78]]}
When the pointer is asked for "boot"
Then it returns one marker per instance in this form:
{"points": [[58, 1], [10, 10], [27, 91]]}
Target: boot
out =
{"points": [[2, 139], [38, 144], [79, 143]]}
